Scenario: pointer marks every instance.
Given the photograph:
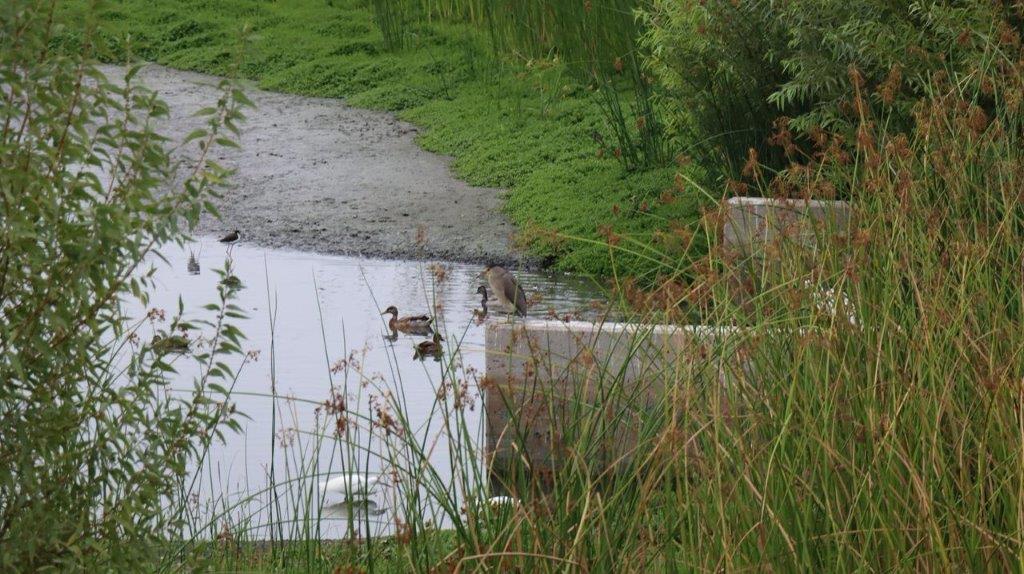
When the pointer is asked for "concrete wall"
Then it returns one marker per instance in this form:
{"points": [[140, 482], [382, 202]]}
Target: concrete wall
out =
{"points": [[753, 222], [543, 374], [758, 234]]}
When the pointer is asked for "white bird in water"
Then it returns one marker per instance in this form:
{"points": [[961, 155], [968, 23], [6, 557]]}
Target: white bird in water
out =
{"points": [[363, 507], [353, 484], [502, 501]]}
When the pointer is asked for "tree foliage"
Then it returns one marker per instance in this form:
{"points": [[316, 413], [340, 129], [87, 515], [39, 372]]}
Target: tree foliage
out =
{"points": [[732, 69], [94, 447]]}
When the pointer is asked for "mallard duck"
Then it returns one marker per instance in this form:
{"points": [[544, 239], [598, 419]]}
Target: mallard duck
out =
{"points": [[506, 289], [231, 281], [428, 348], [419, 324], [481, 313], [170, 344], [232, 237]]}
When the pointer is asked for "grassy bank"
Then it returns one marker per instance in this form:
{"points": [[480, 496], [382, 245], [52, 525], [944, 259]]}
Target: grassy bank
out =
{"points": [[527, 126]]}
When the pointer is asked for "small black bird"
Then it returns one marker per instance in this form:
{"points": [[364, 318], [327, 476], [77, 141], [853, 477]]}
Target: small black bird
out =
{"points": [[482, 291], [231, 237]]}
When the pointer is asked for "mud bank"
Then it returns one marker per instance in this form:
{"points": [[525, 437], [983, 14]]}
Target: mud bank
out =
{"points": [[315, 174]]}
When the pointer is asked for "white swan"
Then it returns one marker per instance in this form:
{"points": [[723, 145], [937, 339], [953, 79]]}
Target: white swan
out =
{"points": [[502, 501], [353, 484]]}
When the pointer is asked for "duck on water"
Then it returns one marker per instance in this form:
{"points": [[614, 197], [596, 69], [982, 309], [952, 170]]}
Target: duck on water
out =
{"points": [[415, 325]]}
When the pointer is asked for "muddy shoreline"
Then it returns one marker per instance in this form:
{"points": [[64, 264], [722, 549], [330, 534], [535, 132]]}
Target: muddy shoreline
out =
{"points": [[315, 174]]}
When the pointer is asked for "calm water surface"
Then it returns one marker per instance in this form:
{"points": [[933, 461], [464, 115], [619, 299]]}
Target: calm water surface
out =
{"points": [[315, 322]]}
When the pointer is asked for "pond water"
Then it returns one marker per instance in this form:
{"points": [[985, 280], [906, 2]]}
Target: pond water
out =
{"points": [[315, 322]]}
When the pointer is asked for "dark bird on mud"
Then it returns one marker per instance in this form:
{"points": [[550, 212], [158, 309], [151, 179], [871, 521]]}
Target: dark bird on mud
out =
{"points": [[232, 237], [416, 325], [429, 348], [506, 289]]}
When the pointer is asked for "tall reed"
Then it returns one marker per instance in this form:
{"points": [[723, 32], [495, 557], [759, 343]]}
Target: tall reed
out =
{"points": [[597, 40], [859, 408]]}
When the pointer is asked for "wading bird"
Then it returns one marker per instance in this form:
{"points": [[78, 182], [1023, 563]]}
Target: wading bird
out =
{"points": [[506, 289], [417, 325]]}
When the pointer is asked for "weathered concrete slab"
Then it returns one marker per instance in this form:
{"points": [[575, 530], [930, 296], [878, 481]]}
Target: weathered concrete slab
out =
{"points": [[752, 223], [543, 376], [758, 234], [546, 378]]}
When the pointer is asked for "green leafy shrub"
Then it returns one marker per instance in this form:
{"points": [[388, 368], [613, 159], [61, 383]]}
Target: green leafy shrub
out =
{"points": [[94, 448], [732, 69], [717, 64]]}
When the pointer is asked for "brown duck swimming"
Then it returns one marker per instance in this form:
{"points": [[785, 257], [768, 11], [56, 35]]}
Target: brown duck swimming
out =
{"points": [[419, 324], [170, 344], [429, 348]]}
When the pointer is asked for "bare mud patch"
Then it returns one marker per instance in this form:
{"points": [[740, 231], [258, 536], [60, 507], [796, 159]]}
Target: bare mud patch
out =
{"points": [[315, 174]]}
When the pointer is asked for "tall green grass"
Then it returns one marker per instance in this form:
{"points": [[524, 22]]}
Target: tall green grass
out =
{"points": [[598, 41], [859, 409]]}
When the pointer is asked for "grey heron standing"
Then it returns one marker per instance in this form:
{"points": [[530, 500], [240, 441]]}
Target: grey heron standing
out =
{"points": [[506, 289]]}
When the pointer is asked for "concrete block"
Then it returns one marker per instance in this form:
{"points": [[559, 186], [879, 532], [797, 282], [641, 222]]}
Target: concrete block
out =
{"points": [[751, 223], [543, 376], [759, 234]]}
